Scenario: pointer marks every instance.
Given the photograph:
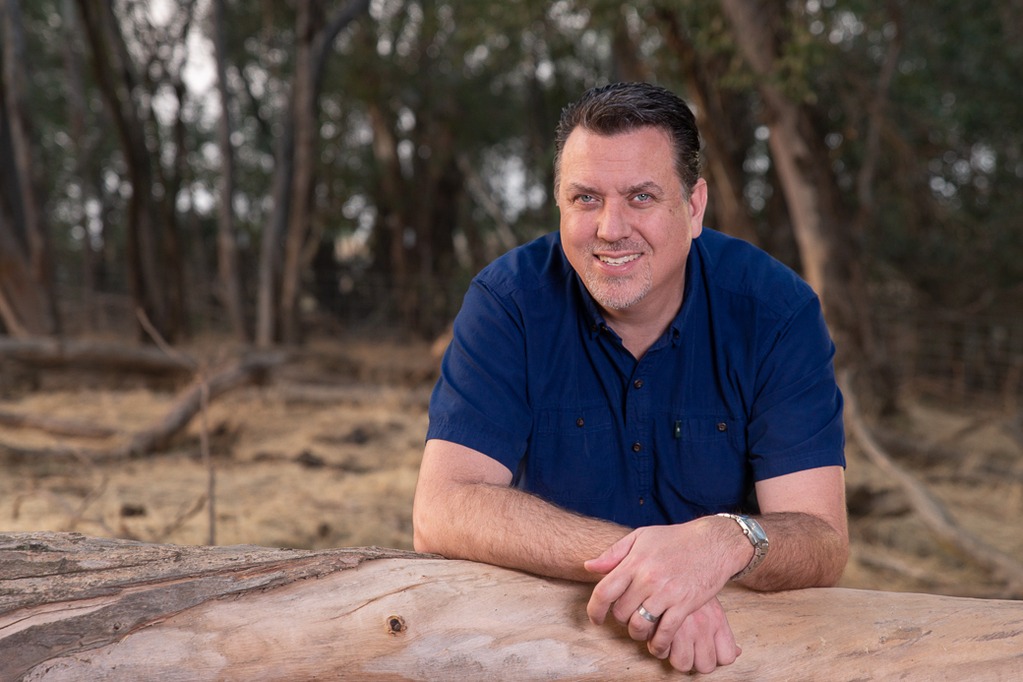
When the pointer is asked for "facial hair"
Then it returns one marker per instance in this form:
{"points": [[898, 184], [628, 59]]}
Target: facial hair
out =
{"points": [[618, 293]]}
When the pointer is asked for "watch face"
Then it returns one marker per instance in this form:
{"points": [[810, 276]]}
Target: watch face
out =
{"points": [[758, 534]]}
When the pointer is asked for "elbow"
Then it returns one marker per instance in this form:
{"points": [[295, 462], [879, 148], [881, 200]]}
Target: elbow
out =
{"points": [[424, 537], [832, 571], [421, 541]]}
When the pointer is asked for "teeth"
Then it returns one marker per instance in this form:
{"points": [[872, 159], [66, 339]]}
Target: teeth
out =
{"points": [[618, 261]]}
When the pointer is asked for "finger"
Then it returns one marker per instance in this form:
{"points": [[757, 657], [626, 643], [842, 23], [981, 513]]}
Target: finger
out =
{"points": [[663, 636], [606, 594], [727, 649], [705, 654], [611, 557], [681, 656], [642, 629], [605, 597]]}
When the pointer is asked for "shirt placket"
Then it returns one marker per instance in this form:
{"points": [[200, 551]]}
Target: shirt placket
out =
{"points": [[638, 405]]}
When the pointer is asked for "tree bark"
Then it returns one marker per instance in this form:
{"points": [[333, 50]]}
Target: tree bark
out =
{"points": [[73, 607]]}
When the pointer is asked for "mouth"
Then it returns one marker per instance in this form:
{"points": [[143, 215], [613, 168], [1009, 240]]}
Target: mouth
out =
{"points": [[617, 261]]}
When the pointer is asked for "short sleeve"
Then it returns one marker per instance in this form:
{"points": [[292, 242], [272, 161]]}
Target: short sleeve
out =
{"points": [[480, 398], [796, 422]]}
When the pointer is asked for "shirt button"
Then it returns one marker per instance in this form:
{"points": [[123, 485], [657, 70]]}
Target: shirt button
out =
{"points": [[722, 426], [638, 383], [636, 447], [641, 501], [580, 421]]}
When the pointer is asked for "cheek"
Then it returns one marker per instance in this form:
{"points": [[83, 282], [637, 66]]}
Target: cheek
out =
{"points": [[575, 233]]}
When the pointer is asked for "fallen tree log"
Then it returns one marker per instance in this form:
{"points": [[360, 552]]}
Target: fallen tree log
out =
{"points": [[189, 402], [74, 608], [93, 354]]}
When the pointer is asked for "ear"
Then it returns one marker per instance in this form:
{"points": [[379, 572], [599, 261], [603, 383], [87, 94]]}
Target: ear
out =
{"points": [[697, 207]]}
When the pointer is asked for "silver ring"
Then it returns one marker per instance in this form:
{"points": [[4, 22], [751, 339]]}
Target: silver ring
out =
{"points": [[646, 615]]}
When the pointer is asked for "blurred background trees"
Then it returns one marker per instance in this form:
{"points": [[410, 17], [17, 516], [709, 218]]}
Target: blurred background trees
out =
{"points": [[270, 169]]}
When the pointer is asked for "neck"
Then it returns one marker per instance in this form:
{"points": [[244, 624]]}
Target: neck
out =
{"points": [[638, 332]]}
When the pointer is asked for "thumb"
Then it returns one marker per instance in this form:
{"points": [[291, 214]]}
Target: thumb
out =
{"points": [[611, 557]]}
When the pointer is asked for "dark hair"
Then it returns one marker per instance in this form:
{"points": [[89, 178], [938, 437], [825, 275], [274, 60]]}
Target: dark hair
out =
{"points": [[624, 107]]}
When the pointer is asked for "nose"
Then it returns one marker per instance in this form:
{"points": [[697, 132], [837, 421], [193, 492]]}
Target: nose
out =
{"points": [[613, 222]]}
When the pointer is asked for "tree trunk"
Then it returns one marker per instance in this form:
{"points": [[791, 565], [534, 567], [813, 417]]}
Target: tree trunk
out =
{"points": [[716, 109], [228, 269], [85, 167], [303, 181], [823, 226], [76, 608], [314, 39], [22, 302], [27, 305], [114, 74]]}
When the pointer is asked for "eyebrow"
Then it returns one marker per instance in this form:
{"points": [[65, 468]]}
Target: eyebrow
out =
{"points": [[649, 187], [576, 188]]}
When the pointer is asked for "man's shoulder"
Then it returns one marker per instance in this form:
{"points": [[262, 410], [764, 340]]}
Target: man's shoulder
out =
{"points": [[527, 268], [736, 267]]}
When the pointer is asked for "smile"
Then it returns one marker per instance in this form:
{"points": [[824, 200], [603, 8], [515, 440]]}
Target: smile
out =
{"points": [[621, 260]]}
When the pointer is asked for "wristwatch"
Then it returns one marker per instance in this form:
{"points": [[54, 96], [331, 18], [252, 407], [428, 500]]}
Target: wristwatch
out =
{"points": [[754, 532]]}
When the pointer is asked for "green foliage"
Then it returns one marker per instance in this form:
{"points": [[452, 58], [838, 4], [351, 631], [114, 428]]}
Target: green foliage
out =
{"points": [[484, 82]]}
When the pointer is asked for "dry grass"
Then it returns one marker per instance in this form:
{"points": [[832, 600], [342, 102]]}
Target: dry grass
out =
{"points": [[327, 455]]}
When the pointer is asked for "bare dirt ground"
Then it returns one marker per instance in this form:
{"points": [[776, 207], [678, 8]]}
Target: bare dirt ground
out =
{"points": [[326, 454]]}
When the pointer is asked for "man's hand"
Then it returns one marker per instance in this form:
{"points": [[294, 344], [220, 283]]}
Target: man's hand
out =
{"points": [[675, 573]]}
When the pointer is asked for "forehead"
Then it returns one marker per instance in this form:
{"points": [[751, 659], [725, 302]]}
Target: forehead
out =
{"points": [[640, 155]]}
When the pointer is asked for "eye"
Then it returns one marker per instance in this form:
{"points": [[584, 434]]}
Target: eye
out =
{"points": [[644, 197], [586, 198]]}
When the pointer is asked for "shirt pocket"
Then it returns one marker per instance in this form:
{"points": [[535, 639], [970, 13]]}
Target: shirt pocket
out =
{"points": [[571, 456], [706, 462]]}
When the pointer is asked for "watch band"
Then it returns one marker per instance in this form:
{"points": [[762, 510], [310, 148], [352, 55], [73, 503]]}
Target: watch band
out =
{"points": [[754, 532]]}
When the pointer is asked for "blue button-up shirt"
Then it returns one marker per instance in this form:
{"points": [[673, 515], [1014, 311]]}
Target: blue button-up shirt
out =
{"points": [[738, 389]]}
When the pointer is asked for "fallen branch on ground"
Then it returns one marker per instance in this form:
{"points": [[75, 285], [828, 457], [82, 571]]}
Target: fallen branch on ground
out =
{"points": [[189, 402], [54, 425], [47, 352], [930, 510]]}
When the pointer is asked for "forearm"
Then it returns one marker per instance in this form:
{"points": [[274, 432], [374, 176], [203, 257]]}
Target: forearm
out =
{"points": [[805, 551], [504, 526]]}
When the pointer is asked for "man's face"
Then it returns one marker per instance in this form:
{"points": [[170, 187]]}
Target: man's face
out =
{"points": [[626, 226]]}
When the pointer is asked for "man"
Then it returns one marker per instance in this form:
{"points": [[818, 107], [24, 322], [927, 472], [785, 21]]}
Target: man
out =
{"points": [[613, 387]]}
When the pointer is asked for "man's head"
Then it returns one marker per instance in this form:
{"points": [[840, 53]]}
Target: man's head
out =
{"points": [[624, 107], [631, 200]]}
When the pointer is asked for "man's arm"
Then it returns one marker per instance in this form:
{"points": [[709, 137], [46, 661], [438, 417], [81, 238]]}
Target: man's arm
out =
{"points": [[804, 516], [465, 509]]}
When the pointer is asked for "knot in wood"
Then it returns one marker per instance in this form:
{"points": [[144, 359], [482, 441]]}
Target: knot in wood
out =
{"points": [[395, 625]]}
